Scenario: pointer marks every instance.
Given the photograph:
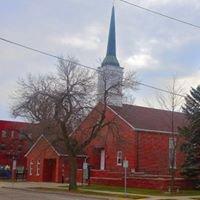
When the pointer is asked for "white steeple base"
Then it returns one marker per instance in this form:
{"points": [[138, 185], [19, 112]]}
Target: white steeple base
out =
{"points": [[110, 80]]}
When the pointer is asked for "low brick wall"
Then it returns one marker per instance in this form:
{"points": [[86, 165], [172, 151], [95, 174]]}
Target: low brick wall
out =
{"points": [[148, 183], [139, 181], [117, 179]]}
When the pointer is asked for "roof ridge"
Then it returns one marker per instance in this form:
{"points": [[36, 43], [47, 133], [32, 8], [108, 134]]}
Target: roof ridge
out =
{"points": [[153, 108]]}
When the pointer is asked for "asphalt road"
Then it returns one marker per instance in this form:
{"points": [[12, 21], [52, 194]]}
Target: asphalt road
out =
{"points": [[13, 194]]}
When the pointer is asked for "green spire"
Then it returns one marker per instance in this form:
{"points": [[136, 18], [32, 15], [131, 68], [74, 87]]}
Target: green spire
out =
{"points": [[111, 58]]}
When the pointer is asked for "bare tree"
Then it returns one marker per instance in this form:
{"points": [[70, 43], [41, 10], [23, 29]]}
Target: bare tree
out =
{"points": [[172, 101], [59, 103]]}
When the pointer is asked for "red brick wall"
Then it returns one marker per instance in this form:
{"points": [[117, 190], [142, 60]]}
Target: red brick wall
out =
{"points": [[43, 151], [40, 152], [14, 145], [122, 140], [153, 153], [146, 151], [151, 183], [63, 170]]}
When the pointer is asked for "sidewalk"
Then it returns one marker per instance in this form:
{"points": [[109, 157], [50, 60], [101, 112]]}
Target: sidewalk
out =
{"points": [[149, 197], [108, 194], [28, 185]]}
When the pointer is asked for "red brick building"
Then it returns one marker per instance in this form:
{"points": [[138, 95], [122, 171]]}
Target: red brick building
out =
{"points": [[13, 143], [47, 161], [144, 139]]}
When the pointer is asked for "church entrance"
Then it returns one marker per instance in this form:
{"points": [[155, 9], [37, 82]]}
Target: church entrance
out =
{"points": [[49, 170]]}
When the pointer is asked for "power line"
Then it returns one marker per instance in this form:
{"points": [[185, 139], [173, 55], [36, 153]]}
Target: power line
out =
{"points": [[159, 89], [79, 64], [161, 14], [44, 53]]}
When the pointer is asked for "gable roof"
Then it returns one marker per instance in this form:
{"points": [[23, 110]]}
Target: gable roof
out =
{"points": [[37, 141], [57, 146], [149, 119]]}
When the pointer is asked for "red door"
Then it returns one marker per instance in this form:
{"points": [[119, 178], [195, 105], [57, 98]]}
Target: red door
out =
{"points": [[49, 170]]}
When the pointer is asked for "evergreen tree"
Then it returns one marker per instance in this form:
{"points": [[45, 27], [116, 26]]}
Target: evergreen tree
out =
{"points": [[191, 146]]}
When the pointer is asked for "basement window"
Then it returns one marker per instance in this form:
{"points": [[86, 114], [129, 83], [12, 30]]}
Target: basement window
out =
{"points": [[119, 158]]}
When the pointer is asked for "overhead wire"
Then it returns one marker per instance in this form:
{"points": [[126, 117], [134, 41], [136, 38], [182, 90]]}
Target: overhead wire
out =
{"points": [[160, 14], [79, 64], [43, 52]]}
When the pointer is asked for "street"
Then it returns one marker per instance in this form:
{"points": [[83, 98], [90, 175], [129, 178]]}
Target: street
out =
{"points": [[15, 194]]}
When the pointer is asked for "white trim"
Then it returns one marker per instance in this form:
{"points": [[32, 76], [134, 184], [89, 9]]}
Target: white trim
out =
{"points": [[138, 129], [33, 145], [102, 159], [79, 156], [155, 131], [31, 168], [38, 168], [42, 136], [51, 145], [119, 157], [121, 117]]}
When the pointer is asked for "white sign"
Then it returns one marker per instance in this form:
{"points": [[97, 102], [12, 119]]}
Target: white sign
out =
{"points": [[14, 165], [85, 171], [85, 165], [125, 163]]}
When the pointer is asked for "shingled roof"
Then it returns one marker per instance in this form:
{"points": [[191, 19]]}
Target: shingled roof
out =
{"points": [[144, 118]]}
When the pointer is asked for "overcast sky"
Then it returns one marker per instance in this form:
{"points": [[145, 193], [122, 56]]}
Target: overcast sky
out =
{"points": [[155, 47]]}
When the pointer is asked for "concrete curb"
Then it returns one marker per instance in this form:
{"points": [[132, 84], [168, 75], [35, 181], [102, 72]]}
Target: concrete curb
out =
{"points": [[115, 193], [45, 190]]}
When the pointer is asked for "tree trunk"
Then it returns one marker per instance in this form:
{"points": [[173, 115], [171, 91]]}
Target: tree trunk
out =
{"points": [[174, 146], [72, 173], [172, 189], [173, 171]]}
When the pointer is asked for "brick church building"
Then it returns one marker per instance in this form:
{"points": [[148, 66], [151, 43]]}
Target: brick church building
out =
{"points": [[146, 142]]}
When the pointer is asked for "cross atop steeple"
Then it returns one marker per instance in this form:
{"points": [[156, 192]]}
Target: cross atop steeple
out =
{"points": [[111, 58]]}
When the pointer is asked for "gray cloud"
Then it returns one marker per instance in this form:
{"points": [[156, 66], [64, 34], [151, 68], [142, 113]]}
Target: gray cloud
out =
{"points": [[156, 47]]}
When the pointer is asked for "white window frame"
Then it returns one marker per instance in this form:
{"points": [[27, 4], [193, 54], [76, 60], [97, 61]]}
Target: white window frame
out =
{"points": [[4, 134], [119, 158], [172, 144], [38, 168], [12, 134], [31, 168]]}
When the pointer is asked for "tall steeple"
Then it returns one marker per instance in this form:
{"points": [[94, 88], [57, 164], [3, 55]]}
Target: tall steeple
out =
{"points": [[110, 73], [111, 58]]}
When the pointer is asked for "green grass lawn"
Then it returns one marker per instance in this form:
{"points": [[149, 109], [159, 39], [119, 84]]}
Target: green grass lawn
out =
{"points": [[140, 191], [64, 188]]}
